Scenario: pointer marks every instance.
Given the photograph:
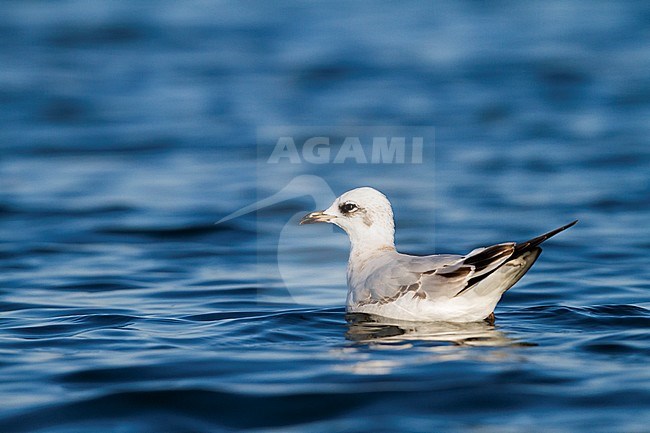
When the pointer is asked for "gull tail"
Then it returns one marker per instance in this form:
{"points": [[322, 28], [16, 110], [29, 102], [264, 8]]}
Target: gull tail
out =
{"points": [[503, 273]]}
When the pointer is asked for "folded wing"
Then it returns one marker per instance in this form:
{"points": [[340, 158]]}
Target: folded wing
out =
{"points": [[448, 276], [453, 279]]}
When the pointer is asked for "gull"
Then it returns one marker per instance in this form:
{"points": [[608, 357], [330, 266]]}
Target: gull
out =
{"points": [[433, 288]]}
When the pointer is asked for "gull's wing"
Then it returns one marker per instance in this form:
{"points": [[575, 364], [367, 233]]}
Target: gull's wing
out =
{"points": [[451, 280], [432, 276], [446, 276]]}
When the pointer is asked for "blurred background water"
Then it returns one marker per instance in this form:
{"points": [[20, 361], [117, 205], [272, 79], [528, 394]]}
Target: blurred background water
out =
{"points": [[129, 128]]}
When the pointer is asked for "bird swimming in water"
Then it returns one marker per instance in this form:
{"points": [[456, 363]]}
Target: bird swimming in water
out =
{"points": [[440, 287]]}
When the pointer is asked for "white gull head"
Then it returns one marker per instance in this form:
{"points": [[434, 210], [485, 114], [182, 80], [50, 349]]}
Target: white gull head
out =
{"points": [[366, 216]]}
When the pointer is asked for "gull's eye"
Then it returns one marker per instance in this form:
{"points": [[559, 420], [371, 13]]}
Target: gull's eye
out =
{"points": [[348, 207]]}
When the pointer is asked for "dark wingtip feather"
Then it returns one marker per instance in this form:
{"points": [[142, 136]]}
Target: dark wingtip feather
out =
{"points": [[488, 256], [530, 244]]}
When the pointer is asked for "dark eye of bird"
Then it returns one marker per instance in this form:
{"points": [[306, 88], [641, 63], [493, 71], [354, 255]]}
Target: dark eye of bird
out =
{"points": [[348, 207]]}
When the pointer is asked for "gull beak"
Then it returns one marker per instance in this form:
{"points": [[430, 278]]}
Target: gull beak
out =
{"points": [[316, 217]]}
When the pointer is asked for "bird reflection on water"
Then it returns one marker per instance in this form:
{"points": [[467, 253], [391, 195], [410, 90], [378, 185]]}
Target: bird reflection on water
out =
{"points": [[367, 328]]}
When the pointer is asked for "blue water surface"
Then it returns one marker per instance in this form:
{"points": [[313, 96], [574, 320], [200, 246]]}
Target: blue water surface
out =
{"points": [[130, 128]]}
